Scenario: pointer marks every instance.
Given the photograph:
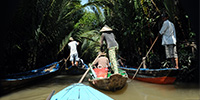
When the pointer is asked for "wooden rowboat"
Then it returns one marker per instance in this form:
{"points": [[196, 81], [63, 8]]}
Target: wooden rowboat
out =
{"points": [[17, 80], [159, 76], [104, 80], [79, 91]]}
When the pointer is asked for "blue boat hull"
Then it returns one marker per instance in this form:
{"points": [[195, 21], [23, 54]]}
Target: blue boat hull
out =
{"points": [[18, 80], [79, 91]]}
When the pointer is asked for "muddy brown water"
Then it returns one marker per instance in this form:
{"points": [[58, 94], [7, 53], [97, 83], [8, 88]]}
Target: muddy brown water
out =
{"points": [[134, 90]]}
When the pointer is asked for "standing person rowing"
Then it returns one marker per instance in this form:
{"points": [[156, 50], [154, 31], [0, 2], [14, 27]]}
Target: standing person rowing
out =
{"points": [[168, 33], [73, 51], [112, 45]]}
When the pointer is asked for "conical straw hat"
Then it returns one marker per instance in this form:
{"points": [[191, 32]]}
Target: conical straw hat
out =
{"points": [[71, 39], [103, 54], [106, 28]]}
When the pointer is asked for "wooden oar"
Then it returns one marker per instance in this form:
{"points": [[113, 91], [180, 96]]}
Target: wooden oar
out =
{"points": [[145, 57], [50, 95], [66, 60], [88, 69]]}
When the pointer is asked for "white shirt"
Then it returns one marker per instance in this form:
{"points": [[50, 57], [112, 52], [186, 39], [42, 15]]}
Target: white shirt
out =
{"points": [[73, 47], [169, 33]]}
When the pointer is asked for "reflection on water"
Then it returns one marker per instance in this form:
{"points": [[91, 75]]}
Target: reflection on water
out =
{"points": [[134, 90]]}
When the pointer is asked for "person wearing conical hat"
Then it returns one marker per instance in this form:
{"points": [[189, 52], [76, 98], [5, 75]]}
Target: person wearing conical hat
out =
{"points": [[112, 45], [73, 51]]}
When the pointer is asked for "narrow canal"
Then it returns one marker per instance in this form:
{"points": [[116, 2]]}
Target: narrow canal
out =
{"points": [[134, 90]]}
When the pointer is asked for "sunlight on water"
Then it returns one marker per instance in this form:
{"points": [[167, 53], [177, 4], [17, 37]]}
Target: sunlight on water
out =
{"points": [[134, 90]]}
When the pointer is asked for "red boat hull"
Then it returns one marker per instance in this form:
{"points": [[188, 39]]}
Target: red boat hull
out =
{"points": [[158, 76], [157, 80]]}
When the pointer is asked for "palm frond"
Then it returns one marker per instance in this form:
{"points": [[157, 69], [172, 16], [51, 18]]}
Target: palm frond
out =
{"points": [[64, 42]]}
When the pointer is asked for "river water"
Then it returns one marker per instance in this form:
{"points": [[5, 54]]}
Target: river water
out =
{"points": [[134, 90]]}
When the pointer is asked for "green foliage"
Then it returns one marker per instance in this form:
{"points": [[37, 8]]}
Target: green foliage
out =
{"points": [[132, 29], [39, 31], [88, 35], [90, 45], [87, 22]]}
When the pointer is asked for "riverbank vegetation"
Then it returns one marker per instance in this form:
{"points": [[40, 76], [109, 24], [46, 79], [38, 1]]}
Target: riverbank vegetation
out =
{"points": [[38, 33]]}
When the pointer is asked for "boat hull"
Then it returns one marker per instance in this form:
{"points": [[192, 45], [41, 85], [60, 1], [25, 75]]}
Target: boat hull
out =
{"points": [[73, 70], [112, 83], [158, 80], [79, 91], [158, 76], [18, 80]]}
